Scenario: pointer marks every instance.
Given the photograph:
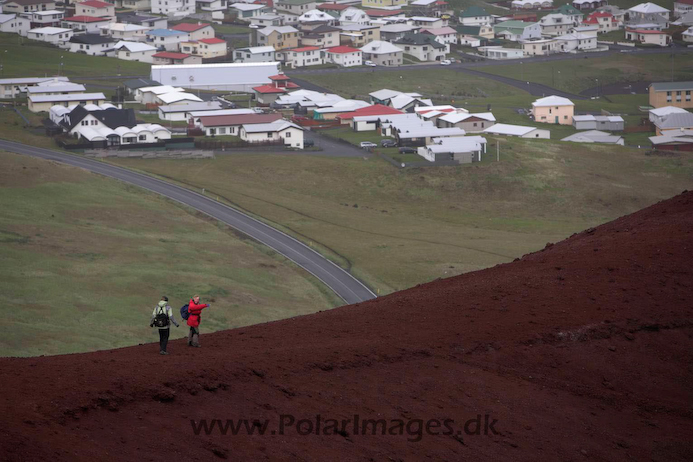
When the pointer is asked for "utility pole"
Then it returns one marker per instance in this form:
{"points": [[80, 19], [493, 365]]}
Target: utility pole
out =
{"points": [[497, 151]]}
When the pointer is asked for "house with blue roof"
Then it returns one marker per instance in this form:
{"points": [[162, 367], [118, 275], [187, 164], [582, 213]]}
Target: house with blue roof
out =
{"points": [[166, 39]]}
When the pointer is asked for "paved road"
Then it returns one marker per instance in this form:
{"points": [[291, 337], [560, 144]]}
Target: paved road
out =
{"points": [[350, 289]]}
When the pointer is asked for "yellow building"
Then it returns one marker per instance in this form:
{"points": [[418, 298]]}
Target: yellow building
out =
{"points": [[677, 94], [382, 3], [279, 37], [553, 110]]}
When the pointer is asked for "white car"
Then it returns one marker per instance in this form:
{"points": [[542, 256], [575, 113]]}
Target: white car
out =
{"points": [[369, 63], [445, 62], [368, 145]]}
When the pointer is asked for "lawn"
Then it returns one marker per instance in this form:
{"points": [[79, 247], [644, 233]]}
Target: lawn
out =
{"points": [[85, 258], [29, 58], [583, 72], [13, 127], [399, 227]]}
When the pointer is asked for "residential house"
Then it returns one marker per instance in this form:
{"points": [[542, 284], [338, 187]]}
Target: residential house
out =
{"points": [[205, 48], [197, 31], [685, 19], [576, 42], [475, 16], [181, 112], [280, 84], [673, 122], [290, 133], [516, 31], [687, 35], [322, 36], [27, 6], [595, 136], [586, 29], [518, 130], [382, 53], [532, 4], [48, 18], [444, 35], [166, 39], [428, 23], [394, 32], [338, 109], [353, 16], [615, 11], [592, 122], [358, 35], [10, 88], [95, 8], [176, 8], [588, 4], [540, 47], [134, 51], [605, 21], [677, 94], [56, 87], [171, 57], [14, 24], [553, 110], [682, 7], [134, 5], [150, 95], [673, 140], [221, 125], [132, 85], [302, 57], [556, 24], [333, 7], [176, 97], [314, 18], [500, 52], [43, 103], [254, 54], [212, 5], [344, 56], [470, 123], [267, 19], [383, 4], [643, 10], [423, 47], [85, 24], [410, 130], [460, 149], [279, 37], [53, 35], [246, 11], [386, 95], [568, 10], [650, 37], [428, 8], [296, 7], [91, 44], [366, 118], [128, 32], [479, 32]]}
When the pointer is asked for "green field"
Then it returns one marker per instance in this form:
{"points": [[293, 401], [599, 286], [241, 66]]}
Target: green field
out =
{"points": [[85, 259], [396, 228]]}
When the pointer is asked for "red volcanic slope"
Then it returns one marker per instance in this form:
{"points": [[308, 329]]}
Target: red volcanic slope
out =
{"points": [[582, 351]]}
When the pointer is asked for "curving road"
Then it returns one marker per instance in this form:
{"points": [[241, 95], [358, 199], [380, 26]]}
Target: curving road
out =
{"points": [[350, 289]]}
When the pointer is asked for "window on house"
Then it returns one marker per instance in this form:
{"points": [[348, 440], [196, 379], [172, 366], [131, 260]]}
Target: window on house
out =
{"points": [[269, 134], [142, 137]]}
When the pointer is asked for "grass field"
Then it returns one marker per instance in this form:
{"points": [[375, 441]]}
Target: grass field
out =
{"points": [[85, 258], [580, 73], [397, 228]]}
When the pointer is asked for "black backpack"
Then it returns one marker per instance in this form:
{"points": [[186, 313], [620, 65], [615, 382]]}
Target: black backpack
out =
{"points": [[161, 319]]}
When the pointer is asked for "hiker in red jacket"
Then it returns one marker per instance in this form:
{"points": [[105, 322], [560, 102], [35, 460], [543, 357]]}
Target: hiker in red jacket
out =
{"points": [[195, 309]]}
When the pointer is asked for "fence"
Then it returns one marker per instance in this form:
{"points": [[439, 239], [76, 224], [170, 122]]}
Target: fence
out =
{"points": [[219, 145]]}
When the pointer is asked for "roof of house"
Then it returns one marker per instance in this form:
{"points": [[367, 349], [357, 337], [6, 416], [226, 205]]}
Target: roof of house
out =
{"points": [[419, 40], [343, 49], [50, 30], [70, 97], [647, 31], [462, 116], [190, 107], [398, 28], [238, 119], [134, 47], [276, 126], [30, 2], [593, 136], [377, 47], [376, 109], [254, 50], [593, 118], [247, 6], [211, 41], [122, 27], [439, 31], [31, 80], [134, 84], [135, 18], [190, 27], [669, 86], [165, 32], [662, 111], [473, 11], [684, 2], [294, 2], [568, 9], [315, 15], [457, 144], [160, 89], [386, 94], [507, 129], [675, 120], [382, 13], [170, 55], [58, 86], [112, 118], [333, 6], [553, 101], [468, 30], [648, 8], [303, 49], [279, 29], [269, 89], [91, 39], [85, 19], [176, 96], [96, 4]]}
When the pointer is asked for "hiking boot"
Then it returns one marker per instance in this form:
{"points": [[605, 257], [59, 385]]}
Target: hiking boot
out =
{"points": [[162, 352], [190, 344], [196, 345]]}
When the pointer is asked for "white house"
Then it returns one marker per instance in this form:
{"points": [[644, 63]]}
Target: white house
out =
{"points": [[475, 16], [579, 42], [428, 23], [682, 7], [128, 32], [148, 95], [56, 87], [91, 44], [95, 8], [423, 47], [517, 30], [197, 31], [246, 11], [179, 112], [687, 35], [302, 57], [353, 16], [444, 35], [290, 133], [499, 52], [54, 35], [518, 130], [174, 8], [344, 56], [556, 24], [13, 24], [134, 51], [166, 39], [644, 9], [462, 149], [43, 103], [382, 53], [85, 24], [10, 88], [47, 18], [254, 54], [212, 5]]}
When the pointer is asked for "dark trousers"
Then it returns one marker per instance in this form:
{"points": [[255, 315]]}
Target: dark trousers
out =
{"points": [[163, 338]]}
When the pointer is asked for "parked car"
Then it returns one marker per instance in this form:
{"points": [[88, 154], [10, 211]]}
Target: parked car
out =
{"points": [[308, 143], [445, 62], [368, 145], [388, 143], [369, 63], [452, 60], [407, 150]]}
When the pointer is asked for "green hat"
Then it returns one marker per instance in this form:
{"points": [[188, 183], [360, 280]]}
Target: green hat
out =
{"points": [[162, 304]]}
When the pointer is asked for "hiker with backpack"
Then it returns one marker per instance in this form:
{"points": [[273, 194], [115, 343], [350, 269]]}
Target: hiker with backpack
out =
{"points": [[162, 317], [192, 312]]}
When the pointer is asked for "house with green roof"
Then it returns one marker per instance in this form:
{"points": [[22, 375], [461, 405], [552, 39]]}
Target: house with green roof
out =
{"points": [[297, 7], [569, 10], [474, 16], [517, 30]]}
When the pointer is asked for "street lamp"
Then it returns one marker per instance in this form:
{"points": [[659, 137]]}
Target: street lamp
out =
{"points": [[2, 64], [61, 65], [597, 80]]}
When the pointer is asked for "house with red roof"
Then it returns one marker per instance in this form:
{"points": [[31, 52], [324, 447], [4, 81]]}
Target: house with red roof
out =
{"points": [[344, 56], [95, 8], [88, 24], [651, 37], [280, 84], [605, 21], [205, 48], [171, 57], [302, 57], [367, 118], [201, 30]]}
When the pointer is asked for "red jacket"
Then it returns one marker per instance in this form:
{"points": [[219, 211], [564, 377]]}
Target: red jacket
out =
{"points": [[195, 311]]}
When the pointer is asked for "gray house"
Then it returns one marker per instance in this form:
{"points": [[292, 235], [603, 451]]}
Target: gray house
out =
{"points": [[591, 122]]}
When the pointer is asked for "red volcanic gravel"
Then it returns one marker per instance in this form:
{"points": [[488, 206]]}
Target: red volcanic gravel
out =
{"points": [[582, 351]]}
